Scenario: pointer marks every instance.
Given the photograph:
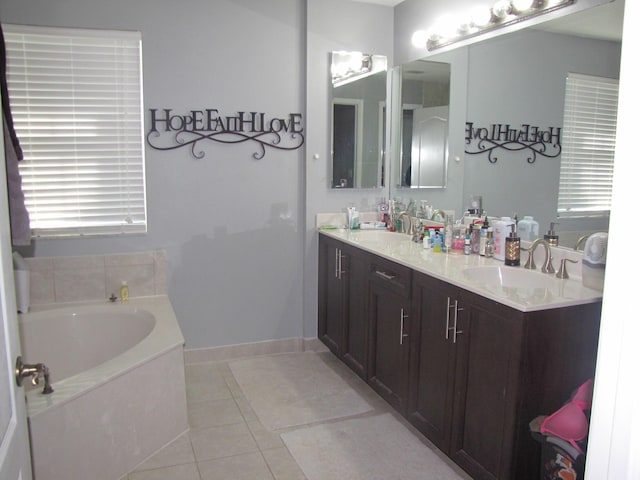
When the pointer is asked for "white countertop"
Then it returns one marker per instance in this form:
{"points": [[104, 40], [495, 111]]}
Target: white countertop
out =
{"points": [[450, 267]]}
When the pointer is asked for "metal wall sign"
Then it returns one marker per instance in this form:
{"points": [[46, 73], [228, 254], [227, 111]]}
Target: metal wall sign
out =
{"points": [[499, 138], [171, 131]]}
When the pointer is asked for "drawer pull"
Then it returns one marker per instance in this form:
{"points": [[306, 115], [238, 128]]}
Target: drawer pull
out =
{"points": [[386, 276]]}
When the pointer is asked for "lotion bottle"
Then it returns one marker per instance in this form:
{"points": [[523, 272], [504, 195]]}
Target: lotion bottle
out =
{"points": [[512, 248], [551, 237], [500, 232]]}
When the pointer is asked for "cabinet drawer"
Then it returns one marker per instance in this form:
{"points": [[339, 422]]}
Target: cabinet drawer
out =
{"points": [[393, 275]]}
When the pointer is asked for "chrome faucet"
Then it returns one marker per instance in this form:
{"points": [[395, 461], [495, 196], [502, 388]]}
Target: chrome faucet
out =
{"points": [[548, 260], [580, 241], [443, 215], [401, 216]]}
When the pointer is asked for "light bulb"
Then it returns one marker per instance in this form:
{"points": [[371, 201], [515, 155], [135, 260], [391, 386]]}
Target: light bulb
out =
{"points": [[501, 9], [481, 16], [522, 5], [419, 38]]}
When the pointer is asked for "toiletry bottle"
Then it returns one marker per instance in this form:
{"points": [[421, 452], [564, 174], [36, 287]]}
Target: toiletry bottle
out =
{"points": [[437, 243], [512, 248], [467, 244], [124, 292], [528, 228], [489, 245], [483, 237], [551, 237], [448, 233], [500, 233], [474, 232]]}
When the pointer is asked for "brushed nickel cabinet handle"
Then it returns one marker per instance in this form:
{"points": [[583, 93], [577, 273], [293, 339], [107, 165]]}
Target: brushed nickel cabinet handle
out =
{"points": [[384, 275], [402, 317]]}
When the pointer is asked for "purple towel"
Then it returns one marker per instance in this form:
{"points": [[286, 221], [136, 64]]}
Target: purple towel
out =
{"points": [[19, 216]]}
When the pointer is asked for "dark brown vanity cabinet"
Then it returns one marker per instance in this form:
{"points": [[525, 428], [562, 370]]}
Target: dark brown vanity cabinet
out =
{"points": [[481, 371], [342, 298], [389, 324], [468, 372]]}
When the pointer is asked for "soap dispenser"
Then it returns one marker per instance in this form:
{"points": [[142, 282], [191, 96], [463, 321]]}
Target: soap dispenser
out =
{"points": [[551, 237], [512, 248]]}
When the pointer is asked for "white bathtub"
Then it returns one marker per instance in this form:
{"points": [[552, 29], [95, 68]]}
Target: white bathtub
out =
{"points": [[117, 371]]}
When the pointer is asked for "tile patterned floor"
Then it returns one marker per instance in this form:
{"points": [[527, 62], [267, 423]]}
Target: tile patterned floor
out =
{"points": [[226, 440]]}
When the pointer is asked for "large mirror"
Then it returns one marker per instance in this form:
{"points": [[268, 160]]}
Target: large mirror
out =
{"points": [[518, 79], [359, 90], [424, 134]]}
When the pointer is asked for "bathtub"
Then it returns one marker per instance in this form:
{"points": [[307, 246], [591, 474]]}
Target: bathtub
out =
{"points": [[117, 371]]}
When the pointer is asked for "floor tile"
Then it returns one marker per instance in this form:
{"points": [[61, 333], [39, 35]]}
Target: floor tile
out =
{"points": [[178, 452], [205, 383], [282, 464], [178, 472], [223, 441], [250, 466], [266, 439], [214, 413]]}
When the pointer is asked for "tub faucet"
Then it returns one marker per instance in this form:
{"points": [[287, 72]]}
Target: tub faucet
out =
{"points": [[35, 371], [548, 260]]}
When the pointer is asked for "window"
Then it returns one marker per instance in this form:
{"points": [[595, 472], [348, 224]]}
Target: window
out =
{"points": [[588, 146], [76, 99]]}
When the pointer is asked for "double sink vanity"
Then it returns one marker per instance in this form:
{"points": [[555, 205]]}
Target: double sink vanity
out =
{"points": [[467, 349]]}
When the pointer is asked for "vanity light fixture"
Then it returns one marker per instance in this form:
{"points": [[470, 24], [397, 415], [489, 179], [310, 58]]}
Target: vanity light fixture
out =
{"points": [[347, 67], [484, 19]]}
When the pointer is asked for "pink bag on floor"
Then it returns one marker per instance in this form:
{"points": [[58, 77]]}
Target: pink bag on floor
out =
{"points": [[570, 422]]}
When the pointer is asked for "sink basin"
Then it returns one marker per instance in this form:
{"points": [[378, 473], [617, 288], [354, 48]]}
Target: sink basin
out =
{"points": [[511, 277]]}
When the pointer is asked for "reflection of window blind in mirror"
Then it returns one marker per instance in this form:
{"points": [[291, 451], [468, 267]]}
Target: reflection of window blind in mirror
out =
{"points": [[588, 146], [76, 98]]}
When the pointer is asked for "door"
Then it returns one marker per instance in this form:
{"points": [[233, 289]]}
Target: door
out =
{"points": [[14, 444]]}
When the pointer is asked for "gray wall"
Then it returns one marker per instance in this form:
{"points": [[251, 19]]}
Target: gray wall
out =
{"points": [[231, 225], [333, 25], [238, 232]]}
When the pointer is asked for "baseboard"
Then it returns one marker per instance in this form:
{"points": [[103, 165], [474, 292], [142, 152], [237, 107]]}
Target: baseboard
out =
{"points": [[268, 347]]}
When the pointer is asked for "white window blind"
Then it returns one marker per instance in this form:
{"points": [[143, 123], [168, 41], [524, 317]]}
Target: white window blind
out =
{"points": [[588, 146], [76, 99]]}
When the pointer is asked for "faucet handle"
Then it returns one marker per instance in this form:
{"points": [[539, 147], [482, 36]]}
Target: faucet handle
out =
{"points": [[530, 264], [562, 272]]}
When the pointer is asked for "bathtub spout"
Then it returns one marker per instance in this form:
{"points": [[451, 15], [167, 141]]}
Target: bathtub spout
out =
{"points": [[35, 371]]}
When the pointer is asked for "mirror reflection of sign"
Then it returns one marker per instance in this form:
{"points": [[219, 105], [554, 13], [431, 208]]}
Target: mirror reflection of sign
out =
{"points": [[171, 131], [502, 137]]}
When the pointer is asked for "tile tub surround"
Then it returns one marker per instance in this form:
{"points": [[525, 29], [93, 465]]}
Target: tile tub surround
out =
{"points": [[96, 277], [102, 422]]}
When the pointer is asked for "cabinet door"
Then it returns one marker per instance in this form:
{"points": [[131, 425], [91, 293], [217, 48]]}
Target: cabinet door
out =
{"points": [[356, 326], [389, 324], [432, 363], [331, 306], [488, 356]]}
